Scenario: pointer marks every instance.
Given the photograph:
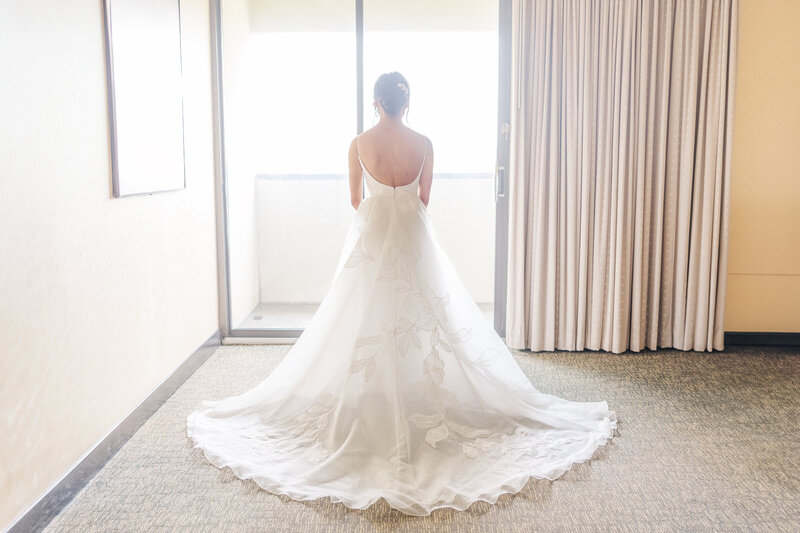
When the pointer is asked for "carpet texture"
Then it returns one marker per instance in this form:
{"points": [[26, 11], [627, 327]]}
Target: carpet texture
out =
{"points": [[706, 442]]}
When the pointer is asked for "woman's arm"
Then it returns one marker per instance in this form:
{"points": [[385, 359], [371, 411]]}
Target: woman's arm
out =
{"points": [[355, 176], [426, 179]]}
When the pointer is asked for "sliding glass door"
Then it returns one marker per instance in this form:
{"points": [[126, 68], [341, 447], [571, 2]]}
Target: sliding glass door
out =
{"points": [[293, 87], [448, 53]]}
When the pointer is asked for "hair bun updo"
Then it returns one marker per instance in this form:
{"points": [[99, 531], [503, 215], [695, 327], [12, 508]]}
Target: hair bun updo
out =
{"points": [[392, 92]]}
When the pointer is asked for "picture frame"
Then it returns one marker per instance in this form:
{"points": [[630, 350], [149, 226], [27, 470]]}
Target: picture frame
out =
{"points": [[145, 96]]}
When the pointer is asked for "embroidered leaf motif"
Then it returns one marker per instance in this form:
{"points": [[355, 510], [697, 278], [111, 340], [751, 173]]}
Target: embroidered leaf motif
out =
{"points": [[315, 453], [403, 326], [416, 341], [386, 275], [305, 428], [405, 335], [357, 256], [446, 397], [462, 335], [374, 339], [404, 287], [359, 364], [436, 434], [442, 301], [370, 369], [434, 367], [435, 337], [469, 450], [427, 322], [469, 432], [401, 344], [488, 357], [425, 421], [317, 410], [413, 304]]}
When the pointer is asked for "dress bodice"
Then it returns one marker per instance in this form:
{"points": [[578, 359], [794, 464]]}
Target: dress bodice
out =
{"points": [[377, 188]]}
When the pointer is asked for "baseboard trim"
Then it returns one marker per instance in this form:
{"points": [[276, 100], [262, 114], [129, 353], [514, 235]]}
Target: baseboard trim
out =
{"points": [[762, 338], [53, 501], [259, 340]]}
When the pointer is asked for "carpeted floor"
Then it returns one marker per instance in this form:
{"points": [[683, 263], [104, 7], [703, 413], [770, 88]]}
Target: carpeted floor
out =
{"points": [[706, 442]]}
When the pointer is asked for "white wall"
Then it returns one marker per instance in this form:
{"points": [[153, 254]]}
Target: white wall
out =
{"points": [[101, 298]]}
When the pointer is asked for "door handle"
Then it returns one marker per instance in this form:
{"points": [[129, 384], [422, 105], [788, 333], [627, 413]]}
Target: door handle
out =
{"points": [[499, 182]]}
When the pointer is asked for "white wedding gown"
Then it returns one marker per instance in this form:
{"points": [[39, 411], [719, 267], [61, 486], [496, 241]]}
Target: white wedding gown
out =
{"points": [[398, 388]]}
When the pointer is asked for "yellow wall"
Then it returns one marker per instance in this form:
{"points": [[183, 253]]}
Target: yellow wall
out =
{"points": [[764, 258], [102, 298]]}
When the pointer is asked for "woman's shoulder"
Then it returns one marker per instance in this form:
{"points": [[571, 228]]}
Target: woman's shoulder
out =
{"points": [[364, 136], [371, 135], [421, 138], [418, 135]]}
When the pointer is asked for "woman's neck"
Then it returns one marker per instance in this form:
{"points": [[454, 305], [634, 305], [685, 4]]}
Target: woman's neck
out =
{"points": [[391, 121]]}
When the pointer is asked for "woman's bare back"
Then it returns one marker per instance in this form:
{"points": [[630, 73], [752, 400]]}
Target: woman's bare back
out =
{"points": [[392, 156]]}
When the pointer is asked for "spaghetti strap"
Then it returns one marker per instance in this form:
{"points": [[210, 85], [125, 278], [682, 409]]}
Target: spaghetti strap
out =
{"points": [[358, 154], [424, 156]]}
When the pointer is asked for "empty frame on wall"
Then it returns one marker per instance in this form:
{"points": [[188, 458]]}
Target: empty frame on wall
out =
{"points": [[145, 96]]}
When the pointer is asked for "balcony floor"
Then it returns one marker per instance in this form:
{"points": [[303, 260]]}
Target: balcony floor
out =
{"points": [[288, 315]]}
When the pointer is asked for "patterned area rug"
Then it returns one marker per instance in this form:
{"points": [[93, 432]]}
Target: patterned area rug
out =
{"points": [[706, 442]]}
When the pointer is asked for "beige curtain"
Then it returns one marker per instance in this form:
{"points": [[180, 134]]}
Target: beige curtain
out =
{"points": [[619, 180]]}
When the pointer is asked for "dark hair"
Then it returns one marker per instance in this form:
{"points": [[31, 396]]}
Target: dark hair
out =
{"points": [[391, 91]]}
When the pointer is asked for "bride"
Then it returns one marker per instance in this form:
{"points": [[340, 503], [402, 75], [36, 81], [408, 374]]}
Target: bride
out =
{"points": [[398, 388]]}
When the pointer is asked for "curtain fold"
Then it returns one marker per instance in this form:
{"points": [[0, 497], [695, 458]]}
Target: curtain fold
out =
{"points": [[619, 179]]}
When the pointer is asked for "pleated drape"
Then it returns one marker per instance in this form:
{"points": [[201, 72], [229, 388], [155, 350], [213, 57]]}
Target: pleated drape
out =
{"points": [[619, 181]]}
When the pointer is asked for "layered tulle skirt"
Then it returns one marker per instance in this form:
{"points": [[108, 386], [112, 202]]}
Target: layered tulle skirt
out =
{"points": [[398, 388]]}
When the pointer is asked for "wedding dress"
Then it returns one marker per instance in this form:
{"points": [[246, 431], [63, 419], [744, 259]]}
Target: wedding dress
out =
{"points": [[398, 388]]}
